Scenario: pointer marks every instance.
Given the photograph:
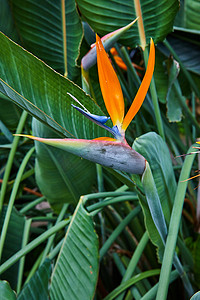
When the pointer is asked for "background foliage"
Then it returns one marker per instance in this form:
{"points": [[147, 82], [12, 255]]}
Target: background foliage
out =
{"points": [[71, 229]]}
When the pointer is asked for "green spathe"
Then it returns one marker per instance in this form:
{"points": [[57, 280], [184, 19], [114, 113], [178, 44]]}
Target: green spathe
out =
{"points": [[112, 154]]}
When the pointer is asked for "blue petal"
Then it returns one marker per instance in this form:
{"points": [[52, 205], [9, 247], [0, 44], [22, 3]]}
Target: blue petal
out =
{"points": [[116, 130], [92, 117], [99, 120]]}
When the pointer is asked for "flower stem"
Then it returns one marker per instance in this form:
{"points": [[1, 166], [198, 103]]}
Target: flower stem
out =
{"points": [[155, 99], [174, 228], [22, 260], [52, 237], [32, 245], [11, 158], [12, 198], [134, 260], [117, 231]]}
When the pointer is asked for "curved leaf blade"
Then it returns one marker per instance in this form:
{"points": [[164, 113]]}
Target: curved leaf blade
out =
{"points": [[154, 149], [9, 113], [12, 244], [47, 34], [192, 11], [187, 47], [196, 296], [44, 92], [157, 154], [7, 24], [37, 287], [6, 292], [106, 16], [77, 261]]}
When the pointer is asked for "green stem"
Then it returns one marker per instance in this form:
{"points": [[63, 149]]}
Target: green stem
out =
{"points": [[153, 201], [100, 184], [22, 260], [119, 264], [134, 260], [64, 36], [11, 157], [151, 294], [174, 227], [194, 114], [32, 204], [56, 250], [111, 201], [27, 174], [6, 132], [34, 268], [155, 99], [12, 198], [103, 195], [51, 239], [155, 208], [36, 242], [45, 219], [117, 231], [136, 257], [100, 178], [125, 285]]}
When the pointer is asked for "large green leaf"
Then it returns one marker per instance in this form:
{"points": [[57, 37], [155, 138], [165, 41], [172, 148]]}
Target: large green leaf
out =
{"points": [[12, 244], [192, 11], [31, 84], [160, 76], [76, 271], [156, 152], [106, 16], [61, 176], [9, 113], [45, 28], [37, 287], [174, 110], [7, 24], [154, 149], [6, 293], [187, 46]]}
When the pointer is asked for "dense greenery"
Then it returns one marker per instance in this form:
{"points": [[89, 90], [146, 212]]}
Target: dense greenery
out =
{"points": [[73, 229]]}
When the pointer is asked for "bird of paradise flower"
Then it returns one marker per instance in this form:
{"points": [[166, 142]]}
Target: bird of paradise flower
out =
{"points": [[110, 152]]}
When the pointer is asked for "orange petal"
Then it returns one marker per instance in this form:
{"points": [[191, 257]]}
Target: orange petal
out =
{"points": [[105, 138], [113, 51], [120, 63], [110, 86], [139, 98]]}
